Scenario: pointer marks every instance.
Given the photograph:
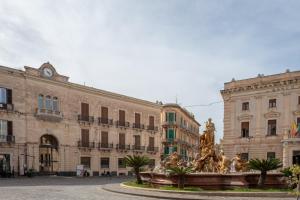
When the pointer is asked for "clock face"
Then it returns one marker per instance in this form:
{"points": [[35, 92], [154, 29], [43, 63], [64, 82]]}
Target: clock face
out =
{"points": [[48, 72]]}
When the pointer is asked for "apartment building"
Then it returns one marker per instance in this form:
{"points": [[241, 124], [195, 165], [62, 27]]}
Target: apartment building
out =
{"points": [[258, 113], [52, 125], [180, 131]]}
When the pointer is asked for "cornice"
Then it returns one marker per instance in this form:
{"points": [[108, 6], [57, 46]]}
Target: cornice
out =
{"points": [[70, 85], [272, 114], [276, 86], [245, 117]]}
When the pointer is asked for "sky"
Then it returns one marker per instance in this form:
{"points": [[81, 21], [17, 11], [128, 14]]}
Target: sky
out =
{"points": [[167, 50]]}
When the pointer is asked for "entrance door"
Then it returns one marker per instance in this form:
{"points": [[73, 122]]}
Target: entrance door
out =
{"points": [[296, 157], [49, 155], [4, 165]]}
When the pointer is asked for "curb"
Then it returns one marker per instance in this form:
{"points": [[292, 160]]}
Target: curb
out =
{"points": [[163, 194]]}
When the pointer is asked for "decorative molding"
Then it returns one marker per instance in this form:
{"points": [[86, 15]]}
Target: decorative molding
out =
{"points": [[272, 114], [296, 112], [245, 117]]}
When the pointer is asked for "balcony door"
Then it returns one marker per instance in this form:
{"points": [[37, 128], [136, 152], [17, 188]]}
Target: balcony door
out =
{"points": [[85, 137], [85, 111]]}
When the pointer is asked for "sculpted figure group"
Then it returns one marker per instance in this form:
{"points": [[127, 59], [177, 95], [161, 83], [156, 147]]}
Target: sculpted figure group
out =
{"points": [[208, 160]]}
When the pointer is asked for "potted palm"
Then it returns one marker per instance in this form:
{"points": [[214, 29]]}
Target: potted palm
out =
{"points": [[137, 162], [264, 166]]}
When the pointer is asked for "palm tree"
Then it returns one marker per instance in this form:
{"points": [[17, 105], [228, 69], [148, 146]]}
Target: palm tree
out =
{"points": [[264, 166], [137, 162], [181, 172]]}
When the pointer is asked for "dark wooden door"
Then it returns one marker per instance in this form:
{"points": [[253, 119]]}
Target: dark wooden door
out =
{"points": [[85, 109]]}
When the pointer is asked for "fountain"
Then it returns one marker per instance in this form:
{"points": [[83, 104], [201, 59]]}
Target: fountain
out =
{"points": [[211, 169]]}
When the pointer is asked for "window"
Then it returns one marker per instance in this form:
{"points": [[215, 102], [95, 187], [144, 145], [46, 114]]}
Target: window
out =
{"points": [[85, 110], [245, 129], [41, 101], [245, 106], [3, 96], [298, 121], [85, 137], [104, 138], [151, 142], [3, 127], [270, 155], [104, 115], [137, 120], [48, 103], [86, 161], [272, 127], [104, 162], [121, 163], [137, 141], [121, 117], [298, 100], [272, 103], [151, 123], [55, 104], [170, 134], [170, 117], [245, 156], [122, 139]]}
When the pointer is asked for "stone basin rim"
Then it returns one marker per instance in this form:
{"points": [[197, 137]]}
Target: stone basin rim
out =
{"points": [[216, 193]]}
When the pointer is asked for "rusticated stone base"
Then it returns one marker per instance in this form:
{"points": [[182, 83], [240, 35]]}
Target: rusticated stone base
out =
{"points": [[217, 181]]}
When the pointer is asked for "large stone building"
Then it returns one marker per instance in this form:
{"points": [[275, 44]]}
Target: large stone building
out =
{"points": [[258, 113], [52, 125], [180, 131]]}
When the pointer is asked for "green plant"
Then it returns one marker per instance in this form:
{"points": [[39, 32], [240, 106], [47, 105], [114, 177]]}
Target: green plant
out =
{"points": [[137, 162], [264, 166], [295, 169], [287, 172], [180, 172], [30, 173]]}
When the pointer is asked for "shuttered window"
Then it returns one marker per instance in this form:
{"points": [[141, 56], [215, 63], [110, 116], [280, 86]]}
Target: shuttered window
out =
{"points": [[151, 141], [137, 140], [104, 115], [85, 109], [85, 137], [137, 118], [122, 139], [151, 121], [122, 117], [104, 137]]}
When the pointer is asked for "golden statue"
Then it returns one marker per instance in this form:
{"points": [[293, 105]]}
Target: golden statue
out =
{"points": [[172, 160], [224, 163], [239, 164]]}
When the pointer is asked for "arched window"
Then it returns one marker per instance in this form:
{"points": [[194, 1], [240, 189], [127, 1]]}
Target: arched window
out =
{"points": [[48, 103], [41, 101], [55, 104]]}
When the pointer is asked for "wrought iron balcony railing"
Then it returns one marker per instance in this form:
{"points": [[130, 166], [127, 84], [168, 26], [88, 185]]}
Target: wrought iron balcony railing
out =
{"points": [[7, 139]]}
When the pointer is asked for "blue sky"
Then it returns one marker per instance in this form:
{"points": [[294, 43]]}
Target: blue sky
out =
{"points": [[154, 50]]}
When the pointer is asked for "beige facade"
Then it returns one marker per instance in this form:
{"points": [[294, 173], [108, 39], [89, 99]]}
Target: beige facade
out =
{"points": [[258, 113], [52, 125], [57, 125], [180, 131]]}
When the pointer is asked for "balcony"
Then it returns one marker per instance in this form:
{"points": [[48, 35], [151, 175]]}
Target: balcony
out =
{"points": [[105, 145], [152, 128], [123, 147], [49, 115], [7, 139], [86, 144], [86, 119], [7, 107], [152, 149], [138, 126], [105, 121], [170, 140], [169, 123], [122, 124], [138, 148]]}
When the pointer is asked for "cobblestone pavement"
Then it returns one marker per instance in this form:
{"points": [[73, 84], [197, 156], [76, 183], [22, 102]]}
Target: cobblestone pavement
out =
{"points": [[72, 188]]}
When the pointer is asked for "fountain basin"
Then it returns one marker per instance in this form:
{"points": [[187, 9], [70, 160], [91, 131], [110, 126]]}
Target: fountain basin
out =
{"points": [[217, 181]]}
